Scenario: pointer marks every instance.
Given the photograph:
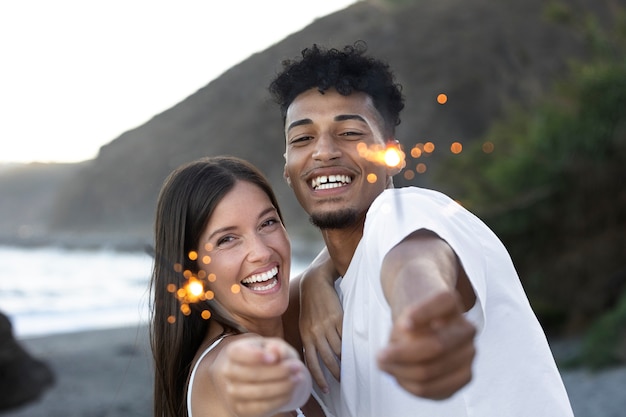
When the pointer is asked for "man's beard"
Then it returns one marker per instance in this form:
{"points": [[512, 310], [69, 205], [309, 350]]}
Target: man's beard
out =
{"points": [[335, 220]]}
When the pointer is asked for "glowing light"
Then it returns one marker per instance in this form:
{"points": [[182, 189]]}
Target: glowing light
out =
{"points": [[212, 277], [181, 293], [235, 289], [171, 288], [442, 98], [193, 255], [371, 178], [178, 267], [209, 295], [185, 309], [429, 147], [488, 147], [187, 274], [171, 319], [195, 288], [201, 274], [456, 148], [206, 259], [409, 175], [208, 247], [206, 314], [416, 152], [390, 155], [420, 168]]}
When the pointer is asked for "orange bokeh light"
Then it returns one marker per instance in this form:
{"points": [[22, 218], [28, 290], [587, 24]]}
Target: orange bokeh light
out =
{"points": [[456, 148], [416, 152], [442, 98], [371, 178], [488, 147]]}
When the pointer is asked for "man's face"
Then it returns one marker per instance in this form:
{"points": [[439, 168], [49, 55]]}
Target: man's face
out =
{"points": [[332, 182]]}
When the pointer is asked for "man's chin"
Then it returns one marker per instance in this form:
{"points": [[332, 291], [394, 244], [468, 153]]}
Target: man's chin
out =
{"points": [[339, 219]]}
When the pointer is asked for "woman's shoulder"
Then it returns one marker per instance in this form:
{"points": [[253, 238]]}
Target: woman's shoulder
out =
{"points": [[203, 388], [211, 348]]}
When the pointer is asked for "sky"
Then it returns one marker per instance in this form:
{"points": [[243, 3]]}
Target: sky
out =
{"points": [[76, 74]]}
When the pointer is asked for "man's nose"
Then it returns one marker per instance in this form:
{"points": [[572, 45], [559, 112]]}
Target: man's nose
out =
{"points": [[326, 148]]}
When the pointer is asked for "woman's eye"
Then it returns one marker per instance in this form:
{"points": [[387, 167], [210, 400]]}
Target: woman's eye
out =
{"points": [[270, 222], [225, 240]]}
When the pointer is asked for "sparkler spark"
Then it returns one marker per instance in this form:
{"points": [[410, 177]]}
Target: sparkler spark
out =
{"points": [[193, 288], [390, 155]]}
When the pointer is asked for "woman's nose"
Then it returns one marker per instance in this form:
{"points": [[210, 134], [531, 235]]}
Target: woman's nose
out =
{"points": [[259, 251]]}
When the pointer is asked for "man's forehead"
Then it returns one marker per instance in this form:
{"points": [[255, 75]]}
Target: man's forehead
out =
{"points": [[334, 104]]}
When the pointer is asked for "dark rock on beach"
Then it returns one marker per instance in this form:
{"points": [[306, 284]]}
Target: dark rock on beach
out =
{"points": [[23, 378]]}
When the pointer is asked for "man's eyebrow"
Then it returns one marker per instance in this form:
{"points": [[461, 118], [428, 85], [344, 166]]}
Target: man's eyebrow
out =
{"points": [[299, 123], [342, 117]]}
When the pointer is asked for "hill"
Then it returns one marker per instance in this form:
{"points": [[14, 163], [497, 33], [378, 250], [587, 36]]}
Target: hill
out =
{"points": [[484, 55]]}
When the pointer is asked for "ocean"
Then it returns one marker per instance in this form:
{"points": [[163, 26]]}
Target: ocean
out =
{"points": [[54, 290]]}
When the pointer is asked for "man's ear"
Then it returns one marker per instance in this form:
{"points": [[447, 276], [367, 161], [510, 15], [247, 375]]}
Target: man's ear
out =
{"points": [[286, 176]]}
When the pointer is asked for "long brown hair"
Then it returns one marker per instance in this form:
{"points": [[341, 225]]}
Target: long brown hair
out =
{"points": [[185, 204]]}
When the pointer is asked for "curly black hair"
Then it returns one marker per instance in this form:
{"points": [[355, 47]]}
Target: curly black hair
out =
{"points": [[345, 70]]}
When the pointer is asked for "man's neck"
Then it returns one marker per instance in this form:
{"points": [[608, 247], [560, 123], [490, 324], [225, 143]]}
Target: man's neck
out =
{"points": [[341, 244]]}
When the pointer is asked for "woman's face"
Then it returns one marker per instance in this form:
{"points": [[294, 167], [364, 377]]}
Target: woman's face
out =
{"points": [[246, 254]]}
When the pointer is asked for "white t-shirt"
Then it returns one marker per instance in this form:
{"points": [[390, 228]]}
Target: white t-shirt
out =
{"points": [[514, 373]]}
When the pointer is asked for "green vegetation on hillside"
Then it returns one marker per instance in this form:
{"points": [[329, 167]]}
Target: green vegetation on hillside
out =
{"points": [[553, 190]]}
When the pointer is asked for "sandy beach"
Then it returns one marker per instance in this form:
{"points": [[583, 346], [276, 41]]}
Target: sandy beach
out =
{"points": [[101, 373], [107, 373]]}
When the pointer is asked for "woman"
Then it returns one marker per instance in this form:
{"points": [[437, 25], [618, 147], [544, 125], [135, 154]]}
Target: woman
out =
{"points": [[220, 285]]}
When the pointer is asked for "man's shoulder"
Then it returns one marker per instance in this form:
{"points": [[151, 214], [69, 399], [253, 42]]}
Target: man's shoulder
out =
{"points": [[403, 193]]}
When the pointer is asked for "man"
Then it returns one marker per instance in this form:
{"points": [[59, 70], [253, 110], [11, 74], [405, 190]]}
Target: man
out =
{"points": [[420, 276]]}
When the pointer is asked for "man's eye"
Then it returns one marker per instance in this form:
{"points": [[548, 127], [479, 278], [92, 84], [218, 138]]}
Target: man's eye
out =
{"points": [[300, 139]]}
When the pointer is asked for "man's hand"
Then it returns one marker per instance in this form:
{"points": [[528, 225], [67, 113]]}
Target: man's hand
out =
{"points": [[263, 376], [321, 320], [431, 347]]}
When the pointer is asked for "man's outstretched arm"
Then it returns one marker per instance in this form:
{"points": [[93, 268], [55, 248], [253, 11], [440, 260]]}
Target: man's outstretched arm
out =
{"points": [[431, 346]]}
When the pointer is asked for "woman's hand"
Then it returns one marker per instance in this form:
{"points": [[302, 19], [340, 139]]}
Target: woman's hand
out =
{"points": [[263, 376], [321, 318]]}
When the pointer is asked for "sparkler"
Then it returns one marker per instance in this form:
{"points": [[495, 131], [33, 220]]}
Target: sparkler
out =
{"points": [[193, 289]]}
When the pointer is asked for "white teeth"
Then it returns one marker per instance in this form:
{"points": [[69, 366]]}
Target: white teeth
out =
{"points": [[261, 277], [324, 182], [265, 287]]}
